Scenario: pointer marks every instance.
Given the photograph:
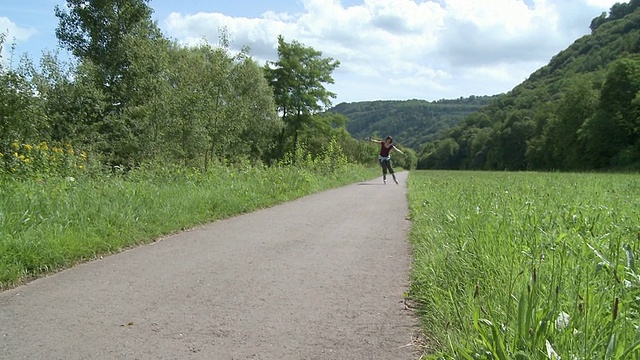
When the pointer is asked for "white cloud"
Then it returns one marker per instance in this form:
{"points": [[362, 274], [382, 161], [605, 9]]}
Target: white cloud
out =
{"points": [[13, 34], [14, 31], [396, 49]]}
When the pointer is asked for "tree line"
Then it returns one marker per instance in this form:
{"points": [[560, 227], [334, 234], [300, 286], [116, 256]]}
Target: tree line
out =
{"points": [[130, 95]]}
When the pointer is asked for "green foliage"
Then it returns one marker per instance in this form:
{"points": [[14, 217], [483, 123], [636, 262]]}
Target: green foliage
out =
{"points": [[21, 113], [251, 108], [97, 32], [577, 113], [17, 108], [297, 79], [331, 160], [110, 39], [408, 161], [526, 265], [135, 96], [73, 105], [358, 151], [27, 161]]}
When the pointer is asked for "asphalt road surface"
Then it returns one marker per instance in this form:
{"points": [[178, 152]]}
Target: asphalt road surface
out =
{"points": [[321, 277]]}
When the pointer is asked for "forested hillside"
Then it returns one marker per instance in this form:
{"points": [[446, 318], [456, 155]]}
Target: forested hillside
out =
{"points": [[411, 122], [579, 112]]}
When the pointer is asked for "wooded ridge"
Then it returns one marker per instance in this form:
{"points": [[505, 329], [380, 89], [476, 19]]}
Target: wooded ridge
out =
{"points": [[581, 111], [413, 122]]}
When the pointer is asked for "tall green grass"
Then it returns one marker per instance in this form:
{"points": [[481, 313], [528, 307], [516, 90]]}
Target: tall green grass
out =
{"points": [[526, 265], [49, 223]]}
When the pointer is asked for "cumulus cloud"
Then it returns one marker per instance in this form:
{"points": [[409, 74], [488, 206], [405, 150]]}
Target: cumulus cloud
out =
{"points": [[13, 34], [398, 49], [14, 31]]}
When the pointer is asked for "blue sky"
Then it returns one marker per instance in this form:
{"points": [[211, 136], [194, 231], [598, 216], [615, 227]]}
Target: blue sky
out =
{"points": [[388, 49]]}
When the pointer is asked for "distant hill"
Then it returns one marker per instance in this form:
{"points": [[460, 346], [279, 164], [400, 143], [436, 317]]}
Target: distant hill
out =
{"points": [[579, 112], [411, 122]]}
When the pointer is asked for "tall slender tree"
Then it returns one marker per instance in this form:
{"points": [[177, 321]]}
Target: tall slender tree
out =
{"points": [[108, 36], [97, 30], [298, 80]]}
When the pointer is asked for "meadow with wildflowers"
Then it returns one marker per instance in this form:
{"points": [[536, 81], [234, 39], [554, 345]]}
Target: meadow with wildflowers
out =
{"points": [[526, 265], [59, 208], [42, 160]]}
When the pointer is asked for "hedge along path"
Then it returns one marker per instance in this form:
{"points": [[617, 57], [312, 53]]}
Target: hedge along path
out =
{"points": [[321, 277]]}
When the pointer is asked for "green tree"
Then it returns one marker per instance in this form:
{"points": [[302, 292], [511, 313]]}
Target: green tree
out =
{"points": [[110, 36], [465, 154], [597, 21], [577, 104], [250, 112], [218, 100], [75, 107], [185, 135], [478, 148], [143, 97], [219, 107], [445, 152], [321, 129], [618, 93], [22, 117], [96, 31], [611, 136], [512, 142], [297, 79]]}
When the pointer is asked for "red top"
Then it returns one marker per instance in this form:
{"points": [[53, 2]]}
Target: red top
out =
{"points": [[384, 150]]}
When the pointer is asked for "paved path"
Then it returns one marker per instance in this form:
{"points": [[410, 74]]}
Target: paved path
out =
{"points": [[317, 278]]}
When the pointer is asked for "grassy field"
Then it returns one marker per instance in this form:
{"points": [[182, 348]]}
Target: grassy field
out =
{"points": [[50, 223], [526, 265]]}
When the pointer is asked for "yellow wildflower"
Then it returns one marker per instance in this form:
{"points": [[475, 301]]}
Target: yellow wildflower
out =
{"points": [[28, 147], [15, 145]]}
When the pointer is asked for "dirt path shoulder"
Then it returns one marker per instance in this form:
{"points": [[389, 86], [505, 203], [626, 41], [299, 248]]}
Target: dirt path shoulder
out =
{"points": [[317, 278]]}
